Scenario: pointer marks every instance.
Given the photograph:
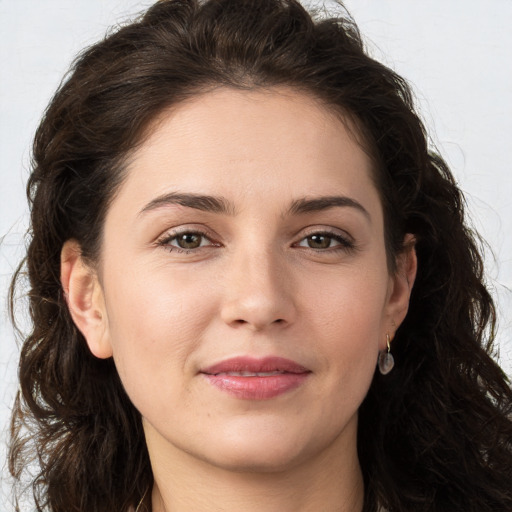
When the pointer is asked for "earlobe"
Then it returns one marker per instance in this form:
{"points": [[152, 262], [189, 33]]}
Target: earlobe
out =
{"points": [[402, 283], [84, 298]]}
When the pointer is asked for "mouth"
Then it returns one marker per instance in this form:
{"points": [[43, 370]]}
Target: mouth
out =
{"points": [[251, 374], [255, 367], [256, 379]]}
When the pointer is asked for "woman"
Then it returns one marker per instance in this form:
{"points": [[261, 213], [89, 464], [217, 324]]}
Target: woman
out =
{"points": [[251, 283]]}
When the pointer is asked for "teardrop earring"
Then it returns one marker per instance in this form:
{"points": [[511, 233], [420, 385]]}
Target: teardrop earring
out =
{"points": [[386, 360]]}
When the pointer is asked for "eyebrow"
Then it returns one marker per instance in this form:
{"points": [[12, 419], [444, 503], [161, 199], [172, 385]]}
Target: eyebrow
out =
{"points": [[306, 205], [221, 205], [197, 201]]}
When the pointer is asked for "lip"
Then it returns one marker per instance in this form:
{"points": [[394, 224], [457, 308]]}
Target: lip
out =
{"points": [[282, 375]]}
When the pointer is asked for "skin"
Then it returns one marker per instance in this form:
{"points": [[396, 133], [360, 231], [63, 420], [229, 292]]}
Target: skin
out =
{"points": [[254, 286]]}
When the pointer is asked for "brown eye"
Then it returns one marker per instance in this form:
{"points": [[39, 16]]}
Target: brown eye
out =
{"points": [[189, 240], [186, 241], [319, 241], [326, 241]]}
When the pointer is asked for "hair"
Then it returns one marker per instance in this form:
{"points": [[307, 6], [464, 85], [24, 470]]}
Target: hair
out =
{"points": [[434, 435]]}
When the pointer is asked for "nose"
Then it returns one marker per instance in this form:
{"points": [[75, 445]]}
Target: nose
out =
{"points": [[258, 292]]}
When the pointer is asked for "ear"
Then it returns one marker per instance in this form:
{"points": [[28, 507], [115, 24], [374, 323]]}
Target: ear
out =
{"points": [[400, 287], [85, 300]]}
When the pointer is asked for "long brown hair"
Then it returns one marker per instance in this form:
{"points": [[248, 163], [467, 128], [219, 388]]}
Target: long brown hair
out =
{"points": [[435, 435]]}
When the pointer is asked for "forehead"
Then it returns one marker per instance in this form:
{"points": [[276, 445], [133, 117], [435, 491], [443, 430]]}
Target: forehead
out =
{"points": [[248, 145]]}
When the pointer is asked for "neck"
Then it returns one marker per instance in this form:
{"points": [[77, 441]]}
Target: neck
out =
{"points": [[330, 481]]}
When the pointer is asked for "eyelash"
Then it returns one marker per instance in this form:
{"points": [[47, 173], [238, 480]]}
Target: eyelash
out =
{"points": [[169, 237], [345, 244]]}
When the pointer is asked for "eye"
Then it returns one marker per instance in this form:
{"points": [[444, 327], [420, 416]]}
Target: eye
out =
{"points": [[185, 240], [325, 240], [189, 240]]}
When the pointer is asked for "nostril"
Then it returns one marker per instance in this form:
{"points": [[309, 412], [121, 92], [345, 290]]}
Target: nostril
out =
{"points": [[241, 321]]}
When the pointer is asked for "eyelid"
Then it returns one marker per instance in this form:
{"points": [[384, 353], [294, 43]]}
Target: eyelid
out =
{"points": [[326, 230], [171, 234], [345, 240]]}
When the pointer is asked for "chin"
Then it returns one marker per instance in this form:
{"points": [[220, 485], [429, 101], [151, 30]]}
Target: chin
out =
{"points": [[262, 451], [251, 462]]}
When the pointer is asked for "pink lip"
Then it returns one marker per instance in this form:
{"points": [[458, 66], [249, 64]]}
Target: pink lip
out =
{"points": [[290, 376]]}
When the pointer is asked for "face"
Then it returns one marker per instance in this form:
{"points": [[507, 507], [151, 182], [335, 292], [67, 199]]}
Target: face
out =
{"points": [[243, 287]]}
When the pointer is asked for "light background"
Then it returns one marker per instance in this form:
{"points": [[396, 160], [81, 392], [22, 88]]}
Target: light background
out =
{"points": [[457, 54]]}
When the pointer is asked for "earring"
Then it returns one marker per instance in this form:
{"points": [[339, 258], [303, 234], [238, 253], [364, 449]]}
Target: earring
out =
{"points": [[386, 360]]}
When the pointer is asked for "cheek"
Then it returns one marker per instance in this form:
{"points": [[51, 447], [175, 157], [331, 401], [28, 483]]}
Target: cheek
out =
{"points": [[155, 322], [347, 320], [348, 301]]}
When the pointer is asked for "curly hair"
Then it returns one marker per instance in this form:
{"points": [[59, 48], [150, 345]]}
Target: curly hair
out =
{"points": [[435, 435]]}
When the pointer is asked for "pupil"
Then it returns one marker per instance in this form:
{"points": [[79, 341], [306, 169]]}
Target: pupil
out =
{"points": [[319, 241], [189, 241]]}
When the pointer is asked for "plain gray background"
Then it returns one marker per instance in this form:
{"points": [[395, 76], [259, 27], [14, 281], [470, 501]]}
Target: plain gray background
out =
{"points": [[457, 55]]}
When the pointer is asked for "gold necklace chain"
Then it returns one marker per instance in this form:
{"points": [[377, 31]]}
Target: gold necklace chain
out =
{"points": [[141, 500]]}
